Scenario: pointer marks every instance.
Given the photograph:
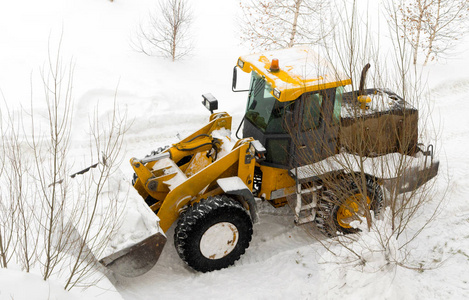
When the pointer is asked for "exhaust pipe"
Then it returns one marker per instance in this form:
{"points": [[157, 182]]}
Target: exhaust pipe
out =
{"points": [[361, 90]]}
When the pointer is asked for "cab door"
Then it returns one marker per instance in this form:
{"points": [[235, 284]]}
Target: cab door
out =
{"points": [[318, 126]]}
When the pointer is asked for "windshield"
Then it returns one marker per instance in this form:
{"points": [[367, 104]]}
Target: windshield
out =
{"points": [[263, 109]]}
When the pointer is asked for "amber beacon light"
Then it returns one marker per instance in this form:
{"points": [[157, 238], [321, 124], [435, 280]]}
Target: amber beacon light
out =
{"points": [[274, 65]]}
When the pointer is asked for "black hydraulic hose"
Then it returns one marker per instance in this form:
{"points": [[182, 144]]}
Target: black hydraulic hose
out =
{"points": [[197, 136], [190, 149], [215, 145], [214, 141]]}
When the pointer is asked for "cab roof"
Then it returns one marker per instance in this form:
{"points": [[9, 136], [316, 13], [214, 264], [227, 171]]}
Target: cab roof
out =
{"points": [[301, 70]]}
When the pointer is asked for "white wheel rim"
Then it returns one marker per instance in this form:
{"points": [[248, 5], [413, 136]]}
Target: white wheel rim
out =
{"points": [[219, 240]]}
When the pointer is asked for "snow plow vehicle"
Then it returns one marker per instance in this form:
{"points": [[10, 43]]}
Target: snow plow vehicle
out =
{"points": [[304, 139]]}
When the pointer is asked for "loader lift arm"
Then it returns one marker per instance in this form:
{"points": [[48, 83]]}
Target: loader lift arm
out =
{"points": [[239, 162], [175, 186]]}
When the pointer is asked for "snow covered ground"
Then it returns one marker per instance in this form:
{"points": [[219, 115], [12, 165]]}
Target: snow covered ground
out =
{"points": [[163, 100]]}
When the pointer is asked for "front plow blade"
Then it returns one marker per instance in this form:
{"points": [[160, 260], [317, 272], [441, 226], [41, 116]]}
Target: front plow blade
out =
{"points": [[412, 178], [136, 259], [115, 223]]}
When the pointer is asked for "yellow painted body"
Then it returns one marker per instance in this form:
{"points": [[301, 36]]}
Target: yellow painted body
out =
{"points": [[274, 179], [301, 71], [217, 121], [364, 100], [195, 183], [191, 172]]}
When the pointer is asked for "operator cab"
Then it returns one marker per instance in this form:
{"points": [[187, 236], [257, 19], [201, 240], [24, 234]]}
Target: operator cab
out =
{"points": [[291, 110]]}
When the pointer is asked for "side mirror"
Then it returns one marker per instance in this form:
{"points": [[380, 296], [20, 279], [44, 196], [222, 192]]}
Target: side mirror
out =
{"points": [[210, 102], [234, 80]]}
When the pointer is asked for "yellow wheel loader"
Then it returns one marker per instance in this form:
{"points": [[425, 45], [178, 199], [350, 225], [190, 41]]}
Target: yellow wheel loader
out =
{"points": [[305, 142]]}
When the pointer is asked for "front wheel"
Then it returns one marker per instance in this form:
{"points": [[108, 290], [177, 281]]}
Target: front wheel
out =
{"points": [[213, 233]]}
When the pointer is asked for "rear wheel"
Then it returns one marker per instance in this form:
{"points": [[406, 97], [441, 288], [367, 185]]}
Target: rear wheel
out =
{"points": [[336, 211], [213, 233]]}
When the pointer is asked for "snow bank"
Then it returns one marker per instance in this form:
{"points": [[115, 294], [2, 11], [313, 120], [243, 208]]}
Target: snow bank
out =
{"points": [[18, 285], [367, 267]]}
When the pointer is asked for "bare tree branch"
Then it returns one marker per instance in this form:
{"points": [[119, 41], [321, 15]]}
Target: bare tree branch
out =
{"points": [[432, 27], [167, 31], [274, 24]]}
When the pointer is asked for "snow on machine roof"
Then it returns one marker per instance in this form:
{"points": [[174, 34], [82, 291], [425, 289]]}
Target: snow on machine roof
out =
{"points": [[297, 70]]}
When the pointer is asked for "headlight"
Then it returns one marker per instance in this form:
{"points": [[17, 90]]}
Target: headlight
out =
{"points": [[210, 102], [240, 63], [277, 93]]}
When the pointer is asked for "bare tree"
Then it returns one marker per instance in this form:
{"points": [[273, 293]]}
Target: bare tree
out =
{"points": [[274, 24], [432, 26], [20, 200], [50, 149], [371, 170], [79, 213], [7, 208], [49, 217], [96, 221], [167, 31]]}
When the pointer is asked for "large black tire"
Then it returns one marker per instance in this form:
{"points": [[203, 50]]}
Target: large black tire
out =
{"points": [[332, 207], [213, 233]]}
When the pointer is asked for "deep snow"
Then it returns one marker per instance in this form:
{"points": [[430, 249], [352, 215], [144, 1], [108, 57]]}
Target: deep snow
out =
{"points": [[163, 100]]}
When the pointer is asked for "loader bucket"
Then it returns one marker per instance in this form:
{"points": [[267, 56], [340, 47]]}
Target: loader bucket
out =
{"points": [[134, 241], [137, 259]]}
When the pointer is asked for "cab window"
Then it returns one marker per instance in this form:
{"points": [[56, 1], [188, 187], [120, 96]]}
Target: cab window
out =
{"points": [[264, 110], [339, 94], [312, 111]]}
